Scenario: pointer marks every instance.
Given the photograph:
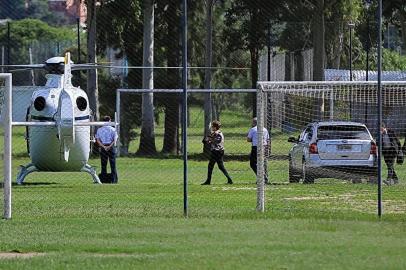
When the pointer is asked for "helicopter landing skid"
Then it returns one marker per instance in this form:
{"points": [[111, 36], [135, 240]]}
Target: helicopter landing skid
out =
{"points": [[92, 171], [24, 171]]}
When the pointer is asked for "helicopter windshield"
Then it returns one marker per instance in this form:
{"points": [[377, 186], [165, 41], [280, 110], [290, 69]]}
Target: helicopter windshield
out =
{"points": [[54, 80]]}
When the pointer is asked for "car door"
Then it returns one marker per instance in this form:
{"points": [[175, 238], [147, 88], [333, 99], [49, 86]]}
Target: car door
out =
{"points": [[307, 137], [300, 148]]}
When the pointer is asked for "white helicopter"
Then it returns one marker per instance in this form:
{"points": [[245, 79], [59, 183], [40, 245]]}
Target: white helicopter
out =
{"points": [[59, 136]]}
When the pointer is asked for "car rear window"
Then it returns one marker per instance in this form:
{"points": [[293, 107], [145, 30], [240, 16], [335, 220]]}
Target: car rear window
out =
{"points": [[342, 133]]}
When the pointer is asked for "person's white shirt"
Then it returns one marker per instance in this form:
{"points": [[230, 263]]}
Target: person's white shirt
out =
{"points": [[106, 135], [252, 135]]}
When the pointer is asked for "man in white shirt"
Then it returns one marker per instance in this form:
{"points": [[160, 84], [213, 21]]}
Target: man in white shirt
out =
{"points": [[253, 139], [106, 138]]}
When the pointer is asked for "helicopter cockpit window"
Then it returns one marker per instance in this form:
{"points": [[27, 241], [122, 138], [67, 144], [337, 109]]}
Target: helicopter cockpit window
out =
{"points": [[39, 103], [81, 103]]}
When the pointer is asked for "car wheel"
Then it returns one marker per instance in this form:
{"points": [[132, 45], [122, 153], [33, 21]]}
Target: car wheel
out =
{"points": [[356, 181], [292, 177], [306, 177], [372, 180]]}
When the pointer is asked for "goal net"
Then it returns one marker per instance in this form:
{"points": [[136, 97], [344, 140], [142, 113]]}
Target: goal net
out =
{"points": [[329, 130]]}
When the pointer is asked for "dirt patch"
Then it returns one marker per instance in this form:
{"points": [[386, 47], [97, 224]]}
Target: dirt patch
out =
{"points": [[310, 198], [124, 255], [354, 202], [341, 197], [237, 188], [19, 255]]}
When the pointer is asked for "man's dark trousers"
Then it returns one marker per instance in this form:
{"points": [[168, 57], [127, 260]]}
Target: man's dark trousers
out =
{"points": [[111, 156], [253, 163]]}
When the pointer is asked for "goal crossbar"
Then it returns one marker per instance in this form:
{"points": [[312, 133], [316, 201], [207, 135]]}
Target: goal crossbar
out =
{"points": [[290, 106]]}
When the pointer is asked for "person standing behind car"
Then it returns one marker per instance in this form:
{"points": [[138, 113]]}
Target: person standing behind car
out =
{"points": [[216, 142], [253, 139], [106, 138], [390, 149]]}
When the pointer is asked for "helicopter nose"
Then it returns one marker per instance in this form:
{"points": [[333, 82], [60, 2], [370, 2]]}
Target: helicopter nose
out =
{"points": [[65, 123]]}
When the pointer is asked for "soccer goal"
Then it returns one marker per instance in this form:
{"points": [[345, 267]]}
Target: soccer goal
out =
{"points": [[330, 129]]}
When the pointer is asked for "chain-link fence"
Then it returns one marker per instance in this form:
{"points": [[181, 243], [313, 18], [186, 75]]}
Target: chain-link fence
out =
{"points": [[231, 45]]}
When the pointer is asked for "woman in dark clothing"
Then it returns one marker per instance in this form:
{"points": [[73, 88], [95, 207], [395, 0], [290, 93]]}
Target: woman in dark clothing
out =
{"points": [[216, 142], [390, 148]]}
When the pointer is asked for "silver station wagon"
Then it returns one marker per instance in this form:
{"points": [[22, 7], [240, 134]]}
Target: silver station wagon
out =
{"points": [[333, 149]]}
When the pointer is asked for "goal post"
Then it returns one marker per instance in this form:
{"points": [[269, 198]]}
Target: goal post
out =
{"points": [[287, 108], [7, 118], [260, 151]]}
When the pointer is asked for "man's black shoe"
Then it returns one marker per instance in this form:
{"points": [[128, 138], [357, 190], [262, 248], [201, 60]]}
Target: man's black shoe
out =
{"points": [[205, 183], [230, 182]]}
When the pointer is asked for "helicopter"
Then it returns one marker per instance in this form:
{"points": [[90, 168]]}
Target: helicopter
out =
{"points": [[58, 134]]}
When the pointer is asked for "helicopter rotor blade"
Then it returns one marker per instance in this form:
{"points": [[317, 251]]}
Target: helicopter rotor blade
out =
{"points": [[84, 66], [96, 66], [34, 66], [20, 69]]}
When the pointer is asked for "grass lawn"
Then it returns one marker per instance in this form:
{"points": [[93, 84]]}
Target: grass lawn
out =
{"points": [[63, 221]]}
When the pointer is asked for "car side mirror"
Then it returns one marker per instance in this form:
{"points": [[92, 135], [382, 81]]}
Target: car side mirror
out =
{"points": [[293, 140]]}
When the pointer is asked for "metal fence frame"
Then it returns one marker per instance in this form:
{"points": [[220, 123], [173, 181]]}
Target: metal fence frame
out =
{"points": [[179, 91], [185, 155]]}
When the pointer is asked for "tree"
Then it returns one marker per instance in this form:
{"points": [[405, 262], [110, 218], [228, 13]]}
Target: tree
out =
{"points": [[12, 9], [311, 15], [307, 30], [38, 10], [395, 11], [319, 49], [119, 32], [208, 114], [92, 87], [340, 14], [147, 139], [247, 25], [33, 9], [170, 12], [24, 33]]}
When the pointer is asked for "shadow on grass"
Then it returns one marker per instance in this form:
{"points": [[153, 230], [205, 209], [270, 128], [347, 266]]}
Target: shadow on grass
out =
{"points": [[197, 157], [20, 155], [33, 184]]}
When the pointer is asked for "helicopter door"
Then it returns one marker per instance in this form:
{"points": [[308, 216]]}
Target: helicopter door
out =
{"points": [[93, 143], [27, 135]]}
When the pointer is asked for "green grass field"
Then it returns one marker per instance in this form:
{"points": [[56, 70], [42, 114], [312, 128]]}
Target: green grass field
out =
{"points": [[63, 221]]}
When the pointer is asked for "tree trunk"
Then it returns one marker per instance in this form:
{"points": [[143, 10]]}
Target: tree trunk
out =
{"points": [[147, 138], [299, 66], [318, 55], [254, 78], [208, 112], [402, 16], [318, 42], [92, 88], [171, 122], [338, 48]]}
